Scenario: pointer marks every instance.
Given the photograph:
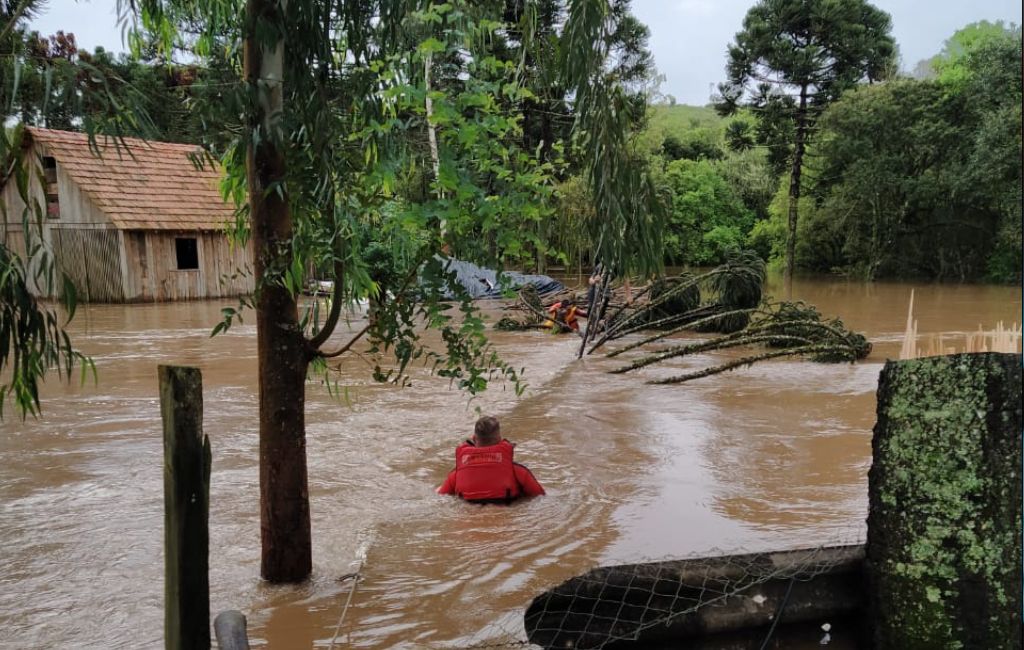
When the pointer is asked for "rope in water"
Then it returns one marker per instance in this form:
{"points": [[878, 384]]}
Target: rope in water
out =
{"points": [[778, 613], [355, 581]]}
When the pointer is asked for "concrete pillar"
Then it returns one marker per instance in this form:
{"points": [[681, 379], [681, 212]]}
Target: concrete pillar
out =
{"points": [[944, 527]]}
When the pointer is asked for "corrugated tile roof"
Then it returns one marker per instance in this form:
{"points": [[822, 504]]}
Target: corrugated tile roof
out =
{"points": [[144, 185]]}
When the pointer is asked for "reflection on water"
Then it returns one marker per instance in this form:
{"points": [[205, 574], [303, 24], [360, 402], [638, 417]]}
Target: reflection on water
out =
{"points": [[767, 457]]}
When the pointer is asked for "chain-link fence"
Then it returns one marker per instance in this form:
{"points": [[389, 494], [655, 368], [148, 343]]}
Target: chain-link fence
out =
{"points": [[660, 604]]}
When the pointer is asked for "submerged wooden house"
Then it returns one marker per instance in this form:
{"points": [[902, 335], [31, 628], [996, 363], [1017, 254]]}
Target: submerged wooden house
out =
{"points": [[135, 223]]}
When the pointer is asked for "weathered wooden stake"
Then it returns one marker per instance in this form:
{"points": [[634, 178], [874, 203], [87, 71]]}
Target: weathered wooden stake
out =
{"points": [[186, 510], [944, 525]]}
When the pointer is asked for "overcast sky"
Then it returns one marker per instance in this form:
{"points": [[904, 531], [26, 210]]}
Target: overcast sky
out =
{"points": [[688, 37]]}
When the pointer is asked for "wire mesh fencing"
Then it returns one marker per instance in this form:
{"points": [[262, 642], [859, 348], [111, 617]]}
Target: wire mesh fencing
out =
{"points": [[664, 602]]}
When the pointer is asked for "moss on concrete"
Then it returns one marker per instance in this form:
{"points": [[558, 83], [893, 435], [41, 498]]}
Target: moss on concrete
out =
{"points": [[944, 529]]}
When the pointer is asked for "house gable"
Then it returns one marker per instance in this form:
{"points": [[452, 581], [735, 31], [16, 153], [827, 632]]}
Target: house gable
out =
{"points": [[139, 185]]}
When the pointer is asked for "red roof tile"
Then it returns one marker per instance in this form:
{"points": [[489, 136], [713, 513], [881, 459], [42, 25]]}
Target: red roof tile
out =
{"points": [[144, 185]]}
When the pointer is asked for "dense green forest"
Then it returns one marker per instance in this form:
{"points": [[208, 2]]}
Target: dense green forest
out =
{"points": [[916, 176]]}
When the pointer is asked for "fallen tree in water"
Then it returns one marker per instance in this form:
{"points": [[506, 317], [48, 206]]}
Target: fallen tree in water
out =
{"points": [[715, 301], [729, 300], [786, 329]]}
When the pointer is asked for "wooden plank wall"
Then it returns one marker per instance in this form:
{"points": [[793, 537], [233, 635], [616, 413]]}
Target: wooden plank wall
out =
{"points": [[81, 238], [153, 275], [92, 259]]}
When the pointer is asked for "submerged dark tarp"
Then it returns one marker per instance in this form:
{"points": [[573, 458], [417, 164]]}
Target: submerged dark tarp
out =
{"points": [[482, 283]]}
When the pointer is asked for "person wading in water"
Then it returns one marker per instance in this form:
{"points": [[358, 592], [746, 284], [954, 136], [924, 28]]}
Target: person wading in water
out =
{"points": [[564, 314], [485, 471]]}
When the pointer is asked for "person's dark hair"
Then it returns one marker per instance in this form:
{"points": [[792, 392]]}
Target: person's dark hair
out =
{"points": [[487, 430]]}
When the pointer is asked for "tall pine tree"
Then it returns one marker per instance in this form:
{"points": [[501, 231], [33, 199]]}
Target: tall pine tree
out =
{"points": [[792, 58]]}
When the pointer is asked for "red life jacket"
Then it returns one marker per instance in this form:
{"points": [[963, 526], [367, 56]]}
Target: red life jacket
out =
{"points": [[569, 316], [485, 473]]}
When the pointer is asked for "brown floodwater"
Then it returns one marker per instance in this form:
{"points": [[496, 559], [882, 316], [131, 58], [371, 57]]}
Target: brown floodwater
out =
{"points": [[770, 457]]}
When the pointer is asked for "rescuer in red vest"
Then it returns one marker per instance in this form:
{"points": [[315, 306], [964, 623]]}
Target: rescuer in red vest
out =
{"points": [[485, 471], [564, 313]]}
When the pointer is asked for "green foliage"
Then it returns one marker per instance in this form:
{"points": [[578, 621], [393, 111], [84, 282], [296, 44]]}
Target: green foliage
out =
{"points": [[953, 66], [791, 59], [737, 285], [914, 178], [695, 144], [707, 219], [532, 39], [923, 178], [574, 212], [775, 116], [750, 176], [628, 211], [739, 134], [675, 120], [822, 47], [819, 240], [711, 205]]}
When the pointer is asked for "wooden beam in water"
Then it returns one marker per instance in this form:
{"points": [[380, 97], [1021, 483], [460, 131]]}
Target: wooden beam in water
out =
{"points": [[186, 510], [230, 629]]}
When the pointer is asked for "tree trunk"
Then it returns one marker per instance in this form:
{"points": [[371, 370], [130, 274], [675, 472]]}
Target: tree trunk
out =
{"points": [[794, 189], [282, 351]]}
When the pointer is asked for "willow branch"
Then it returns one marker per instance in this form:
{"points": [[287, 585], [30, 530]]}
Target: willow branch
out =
{"points": [[16, 15], [405, 285]]}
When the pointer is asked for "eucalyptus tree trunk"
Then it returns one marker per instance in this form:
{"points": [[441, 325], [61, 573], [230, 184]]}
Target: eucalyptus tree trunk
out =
{"points": [[794, 188], [282, 350]]}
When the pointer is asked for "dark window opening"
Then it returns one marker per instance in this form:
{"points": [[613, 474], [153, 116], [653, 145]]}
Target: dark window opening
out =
{"points": [[50, 178], [187, 252]]}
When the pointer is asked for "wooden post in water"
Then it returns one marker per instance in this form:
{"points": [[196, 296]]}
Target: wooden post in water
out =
{"points": [[944, 490], [186, 510], [229, 626]]}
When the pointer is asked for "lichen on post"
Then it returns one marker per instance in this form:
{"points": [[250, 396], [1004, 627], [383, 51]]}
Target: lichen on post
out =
{"points": [[944, 526]]}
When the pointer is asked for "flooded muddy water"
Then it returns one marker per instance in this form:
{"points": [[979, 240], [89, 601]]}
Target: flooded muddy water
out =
{"points": [[769, 457]]}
